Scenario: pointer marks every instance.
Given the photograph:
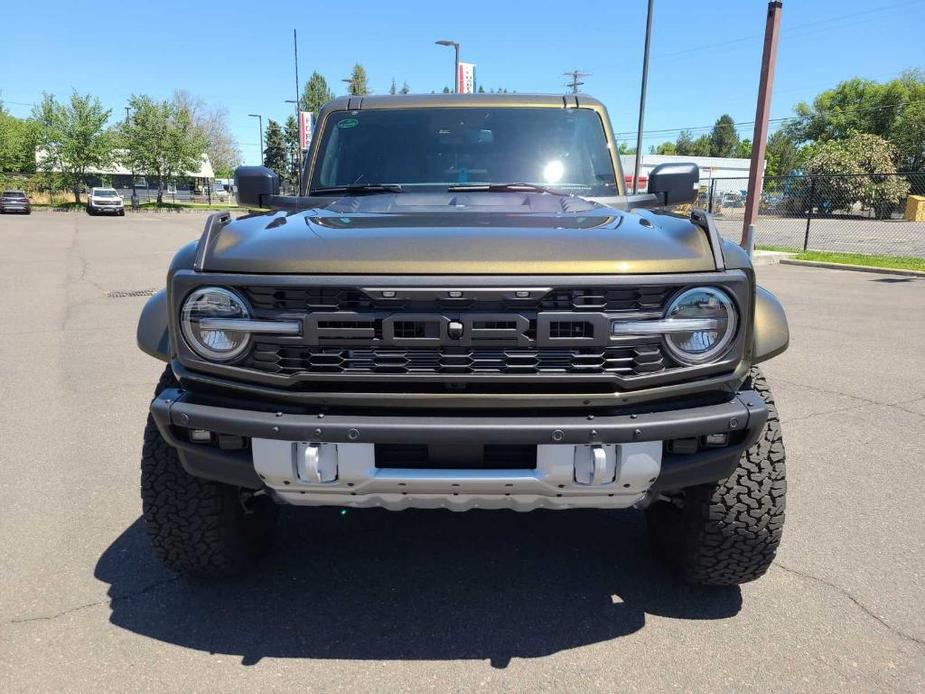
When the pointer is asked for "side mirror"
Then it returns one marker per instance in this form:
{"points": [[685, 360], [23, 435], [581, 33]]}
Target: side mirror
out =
{"points": [[675, 184], [255, 184]]}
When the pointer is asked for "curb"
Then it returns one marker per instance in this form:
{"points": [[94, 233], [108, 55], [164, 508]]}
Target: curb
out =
{"points": [[856, 268]]}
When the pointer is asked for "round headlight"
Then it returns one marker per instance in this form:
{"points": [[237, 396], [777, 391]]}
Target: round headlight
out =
{"points": [[212, 344], [710, 314]]}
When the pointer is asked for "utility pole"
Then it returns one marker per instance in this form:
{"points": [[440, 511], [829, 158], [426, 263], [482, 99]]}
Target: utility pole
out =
{"points": [[642, 98], [576, 75], [762, 113], [298, 149]]}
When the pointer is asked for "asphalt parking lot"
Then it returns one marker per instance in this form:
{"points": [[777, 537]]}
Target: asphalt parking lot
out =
{"points": [[435, 601]]}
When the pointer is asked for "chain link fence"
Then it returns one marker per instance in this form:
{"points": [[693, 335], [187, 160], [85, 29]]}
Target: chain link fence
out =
{"points": [[881, 214], [44, 189]]}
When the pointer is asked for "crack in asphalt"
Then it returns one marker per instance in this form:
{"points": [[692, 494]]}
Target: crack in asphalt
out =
{"points": [[118, 598], [898, 405], [864, 608]]}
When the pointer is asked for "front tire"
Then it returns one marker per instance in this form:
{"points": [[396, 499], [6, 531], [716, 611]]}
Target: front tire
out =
{"points": [[727, 533], [198, 526]]}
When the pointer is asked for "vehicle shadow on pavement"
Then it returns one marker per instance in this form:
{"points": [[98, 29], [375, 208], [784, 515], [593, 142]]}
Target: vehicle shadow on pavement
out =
{"points": [[415, 585]]}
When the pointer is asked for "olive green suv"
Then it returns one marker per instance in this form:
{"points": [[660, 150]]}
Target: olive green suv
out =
{"points": [[464, 309]]}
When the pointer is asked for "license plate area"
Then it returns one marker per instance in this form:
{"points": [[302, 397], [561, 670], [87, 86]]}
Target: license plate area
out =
{"points": [[472, 456]]}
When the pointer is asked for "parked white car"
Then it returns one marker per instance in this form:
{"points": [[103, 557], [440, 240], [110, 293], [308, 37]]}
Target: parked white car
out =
{"points": [[105, 201]]}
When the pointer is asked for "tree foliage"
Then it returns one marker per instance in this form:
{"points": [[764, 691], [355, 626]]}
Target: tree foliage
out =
{"points": [[851, 166], [723, 138], [160, 140], [666, 148], [405, 89], [317, 93], [274, 154], [358, 85], [291, 142], [782, 154], [17, 143], [73, 138], [893, 110], [212, 124]]}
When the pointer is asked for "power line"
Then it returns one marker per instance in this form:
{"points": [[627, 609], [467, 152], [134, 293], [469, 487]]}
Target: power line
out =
{"points": [[793, 30], [576, 75], [738, 124]]}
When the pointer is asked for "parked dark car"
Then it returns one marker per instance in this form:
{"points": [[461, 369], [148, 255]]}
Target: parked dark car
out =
{"points": [[15, 201]]}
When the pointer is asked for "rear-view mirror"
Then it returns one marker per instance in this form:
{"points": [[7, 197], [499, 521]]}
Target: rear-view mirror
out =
{"points": [[675, 184], [255, 185]]}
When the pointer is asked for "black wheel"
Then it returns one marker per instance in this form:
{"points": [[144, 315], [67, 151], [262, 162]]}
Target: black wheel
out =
{"points": [[121, 213], [89, 210], [727, 533], [198, 526]]}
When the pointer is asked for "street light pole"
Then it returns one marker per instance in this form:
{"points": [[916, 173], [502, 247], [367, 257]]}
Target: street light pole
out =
{"points": [[298, 149], [134, 193], [642, 98], [260, 120], [455, 45]]}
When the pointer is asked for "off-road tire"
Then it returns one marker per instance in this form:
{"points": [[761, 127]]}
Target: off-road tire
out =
{"points": [[727, 533], [197, 526]]}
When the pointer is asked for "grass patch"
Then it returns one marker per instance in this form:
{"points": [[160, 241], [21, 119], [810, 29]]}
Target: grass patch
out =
{"points": [[771, 247], [891, 261]]}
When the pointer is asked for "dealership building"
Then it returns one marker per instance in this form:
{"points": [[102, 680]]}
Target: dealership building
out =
{"points": [[118, 176], [729, 173]]}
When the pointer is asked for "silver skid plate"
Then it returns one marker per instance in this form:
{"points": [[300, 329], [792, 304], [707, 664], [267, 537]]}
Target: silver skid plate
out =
{"points": [[566, 476]]}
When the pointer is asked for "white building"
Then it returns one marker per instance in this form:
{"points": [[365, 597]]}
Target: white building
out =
{"points": [[731, 174]]}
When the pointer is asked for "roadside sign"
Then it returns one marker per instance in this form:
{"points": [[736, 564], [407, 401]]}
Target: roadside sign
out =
{"points": [[306, 123], [467, 78]]}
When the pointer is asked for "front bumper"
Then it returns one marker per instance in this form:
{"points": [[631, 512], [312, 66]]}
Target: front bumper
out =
{"points": [[106, 208], [630, 447]]}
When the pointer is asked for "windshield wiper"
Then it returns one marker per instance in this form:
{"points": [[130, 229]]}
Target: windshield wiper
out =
{"points": [[503, 188], [358, 189]]}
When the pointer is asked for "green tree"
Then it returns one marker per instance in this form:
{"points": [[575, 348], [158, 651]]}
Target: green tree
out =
{"points": [[161, 140], [723, 138], [212, 124], [393, 89], [358, 85], [844, 163], [446, 90], [685, 143], [316, 93], [781, 154], [743, 149], [893, 110], [274, 153], [291, 141], [17, 143], [481, 89], [72, 138], [624, 148], [666, 148], [405, 89]]}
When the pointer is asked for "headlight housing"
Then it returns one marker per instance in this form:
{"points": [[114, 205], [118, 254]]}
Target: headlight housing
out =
{"points": [[214, 302], [710, 315]]}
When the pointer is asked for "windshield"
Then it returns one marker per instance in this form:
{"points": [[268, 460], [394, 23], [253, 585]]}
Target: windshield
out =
{"points": [[104, 193], [434, 148]]}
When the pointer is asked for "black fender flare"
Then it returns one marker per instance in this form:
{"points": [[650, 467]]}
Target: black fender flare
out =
{"points": [[772, 333], [153, 335]]}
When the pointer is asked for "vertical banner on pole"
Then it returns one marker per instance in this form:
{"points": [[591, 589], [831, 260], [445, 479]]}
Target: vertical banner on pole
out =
{"points": [[467, 78], [306, 123]]}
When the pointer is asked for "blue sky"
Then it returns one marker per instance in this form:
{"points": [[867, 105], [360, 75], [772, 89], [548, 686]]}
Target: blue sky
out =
{"points": [[238, 53]]}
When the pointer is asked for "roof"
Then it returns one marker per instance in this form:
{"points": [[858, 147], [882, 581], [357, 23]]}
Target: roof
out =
{"points": [[350, 103], [117, 169]]}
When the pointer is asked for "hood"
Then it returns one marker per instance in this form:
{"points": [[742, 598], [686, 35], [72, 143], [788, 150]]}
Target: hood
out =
{"points": [[494, 234]]}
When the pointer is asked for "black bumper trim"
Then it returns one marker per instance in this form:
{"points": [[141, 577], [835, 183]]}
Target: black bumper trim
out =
{"points": [[746, 412]]}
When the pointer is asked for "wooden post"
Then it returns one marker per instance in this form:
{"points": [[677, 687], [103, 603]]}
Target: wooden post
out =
{"points": [[762, 113]]}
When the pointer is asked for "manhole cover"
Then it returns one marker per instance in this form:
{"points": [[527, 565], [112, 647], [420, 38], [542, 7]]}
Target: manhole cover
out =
{"points": [[125, 293]]}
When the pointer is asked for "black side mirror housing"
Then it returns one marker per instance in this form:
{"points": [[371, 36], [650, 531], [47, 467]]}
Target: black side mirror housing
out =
{"points": [[255, 185], [675, 184]]}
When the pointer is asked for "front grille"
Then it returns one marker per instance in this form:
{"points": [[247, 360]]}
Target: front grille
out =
{"points": [[295, 360], [611, 299]]}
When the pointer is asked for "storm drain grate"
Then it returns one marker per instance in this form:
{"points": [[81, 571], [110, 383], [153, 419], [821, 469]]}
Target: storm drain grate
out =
{"points": [[126, 293]]}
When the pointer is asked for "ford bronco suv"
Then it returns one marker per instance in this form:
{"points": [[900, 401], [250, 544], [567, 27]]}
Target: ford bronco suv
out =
{"points": [[463, 309]]}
